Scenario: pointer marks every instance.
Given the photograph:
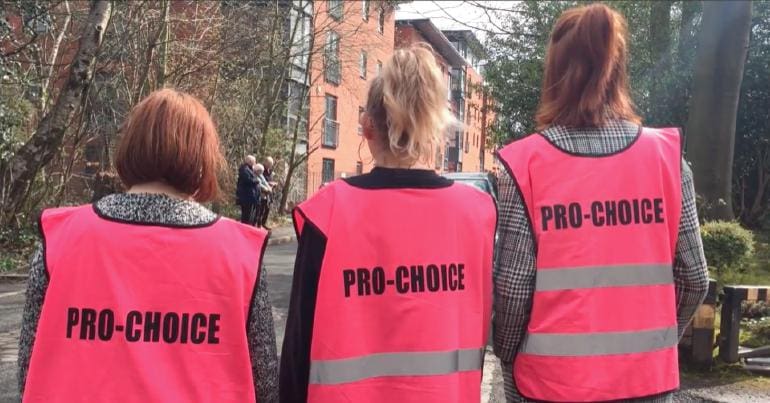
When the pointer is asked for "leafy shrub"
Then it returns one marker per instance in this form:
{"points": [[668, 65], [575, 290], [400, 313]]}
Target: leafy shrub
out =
{"points": [[727, 245], [755, 332]]}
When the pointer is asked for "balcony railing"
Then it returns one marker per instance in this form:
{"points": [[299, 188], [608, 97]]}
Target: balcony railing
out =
{"points": [[331, 133]]}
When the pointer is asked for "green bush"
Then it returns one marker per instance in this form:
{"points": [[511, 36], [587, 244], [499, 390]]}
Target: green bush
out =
{"points": [[755, 332], [728, 246]]}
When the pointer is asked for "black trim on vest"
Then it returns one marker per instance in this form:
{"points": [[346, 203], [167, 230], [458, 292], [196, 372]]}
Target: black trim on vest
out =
{"points": [[43, 244], [294, 370], [152, 224], [586, 155], [299, 211], [399, 178], [256, 280], [523, 200]]}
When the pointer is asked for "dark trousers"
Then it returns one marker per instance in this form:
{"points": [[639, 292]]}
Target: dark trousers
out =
{"points": [[262, 211], [249, 213]]}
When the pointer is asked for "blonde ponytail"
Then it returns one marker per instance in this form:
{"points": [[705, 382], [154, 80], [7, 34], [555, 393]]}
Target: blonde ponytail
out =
{"points": [[407, 103]]}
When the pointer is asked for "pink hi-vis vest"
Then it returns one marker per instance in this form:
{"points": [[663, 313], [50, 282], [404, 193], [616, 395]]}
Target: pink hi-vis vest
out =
{"points": [[603, 323], [144, 313], [404, 295]]}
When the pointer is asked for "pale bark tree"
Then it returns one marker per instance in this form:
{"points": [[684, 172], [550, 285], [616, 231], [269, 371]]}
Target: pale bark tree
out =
{"points": [[723, 42], [20, 172]]}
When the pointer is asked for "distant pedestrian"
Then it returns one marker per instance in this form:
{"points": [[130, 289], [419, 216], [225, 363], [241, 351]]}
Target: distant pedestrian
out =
{"points": [[247, 191], [392, 291], [600, 264], [265, 193], [149, 296], [264, 209]]}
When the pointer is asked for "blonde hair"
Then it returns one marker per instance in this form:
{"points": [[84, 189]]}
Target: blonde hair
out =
{"points": [[407, 104]]}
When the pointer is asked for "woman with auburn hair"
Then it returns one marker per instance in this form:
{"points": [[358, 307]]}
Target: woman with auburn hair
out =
{"points": [[392, 291], [149, 296], [600, 264]]}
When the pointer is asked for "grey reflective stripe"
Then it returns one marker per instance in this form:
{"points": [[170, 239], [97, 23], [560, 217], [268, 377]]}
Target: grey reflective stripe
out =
{"points": [[587, 344], [603, 276], [330, 372]]}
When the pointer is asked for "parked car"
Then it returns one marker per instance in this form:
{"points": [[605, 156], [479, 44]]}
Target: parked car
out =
{"points": [[481, 180]]}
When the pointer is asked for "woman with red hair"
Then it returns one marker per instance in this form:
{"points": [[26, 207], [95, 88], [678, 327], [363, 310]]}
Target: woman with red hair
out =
{"points": [[600, 264]]}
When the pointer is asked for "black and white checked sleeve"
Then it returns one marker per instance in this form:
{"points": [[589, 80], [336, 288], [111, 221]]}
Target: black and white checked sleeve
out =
{"points": [[514, 274], [690, 269]]}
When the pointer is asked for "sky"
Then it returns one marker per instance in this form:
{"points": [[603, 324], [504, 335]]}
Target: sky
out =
{"points": [[458, 14]]}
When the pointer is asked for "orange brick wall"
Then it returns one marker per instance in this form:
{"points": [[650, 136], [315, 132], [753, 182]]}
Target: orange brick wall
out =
{"points": [[356, 34], [477, 124]]}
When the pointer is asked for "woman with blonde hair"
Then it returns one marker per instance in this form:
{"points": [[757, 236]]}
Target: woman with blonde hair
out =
{"points": [[149, 296], [600, 263], [391, 297]]}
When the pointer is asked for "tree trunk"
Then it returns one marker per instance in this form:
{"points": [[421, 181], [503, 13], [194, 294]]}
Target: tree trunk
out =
{"points": [[47, 139], [52, 60], [722, 46], [660, 51], [150, 53]]}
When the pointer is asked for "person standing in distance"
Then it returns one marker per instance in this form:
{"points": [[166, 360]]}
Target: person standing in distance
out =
{"points": [[600, 264], [247, 191], [149, 296], [264, 210], [392, 291]]}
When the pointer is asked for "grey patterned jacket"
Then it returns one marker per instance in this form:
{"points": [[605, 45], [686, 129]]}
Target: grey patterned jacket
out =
{"points": [[160, 209], [515, 254]]}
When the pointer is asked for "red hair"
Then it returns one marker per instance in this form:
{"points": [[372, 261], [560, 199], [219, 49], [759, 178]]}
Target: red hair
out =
{"points": [[585, 80], [169, 137]]}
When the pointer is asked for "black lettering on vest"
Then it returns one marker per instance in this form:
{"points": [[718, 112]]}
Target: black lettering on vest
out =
{"points": [[198, 335], [575, 215], [624, 212], [378, 280], [106, 324], [560, 216], [88, 325], [453, 277], [213, 328], [444, 278], [170, 327], [402, 279], [609, 213], [461, 276], [658, 210], [152, 326], [133, 318], [546, 213], [362, 278], [637, 213], [73, 317], [417, 275], [185, 330], [433, 277], [596, 213], [647, 216], [348, 279]]}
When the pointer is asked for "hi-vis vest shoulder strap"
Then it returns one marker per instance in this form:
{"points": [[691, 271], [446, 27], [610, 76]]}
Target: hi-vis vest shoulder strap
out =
{"points": [[404, 296], [603, 323], [138, 313]]}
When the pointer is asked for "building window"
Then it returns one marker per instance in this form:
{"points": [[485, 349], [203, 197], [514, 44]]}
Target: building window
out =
{"points": [[466, 143], [331, 126], [381, 21], [327, 170], [360, 115], [359, 168], [365, 10], [332, 58], [362, 64], [335, 9], [379, 67]]}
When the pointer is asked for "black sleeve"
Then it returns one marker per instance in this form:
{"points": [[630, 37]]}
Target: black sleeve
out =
{"points": [[295, 354]]}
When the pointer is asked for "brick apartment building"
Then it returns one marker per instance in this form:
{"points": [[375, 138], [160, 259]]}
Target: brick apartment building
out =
{"points": [[354, 37], [340, 82]]}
